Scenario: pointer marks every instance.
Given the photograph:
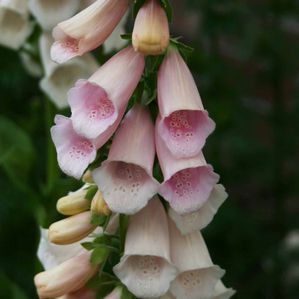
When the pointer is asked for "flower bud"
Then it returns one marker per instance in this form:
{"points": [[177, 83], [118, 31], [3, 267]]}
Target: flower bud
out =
{"points": [[74, 203], [87, 177], [151, 29], [99, 206], [71, 229], [68, 277]]}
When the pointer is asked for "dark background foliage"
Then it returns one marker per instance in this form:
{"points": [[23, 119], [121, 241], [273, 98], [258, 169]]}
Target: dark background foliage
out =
{"points": [[246, 65]]}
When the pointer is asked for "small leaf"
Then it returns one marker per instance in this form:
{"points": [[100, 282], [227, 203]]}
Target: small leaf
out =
{"points": [[98, 220], [168, 9], [88, 245], [126, 36], [99, 255], [92, 190], [185, 50]]}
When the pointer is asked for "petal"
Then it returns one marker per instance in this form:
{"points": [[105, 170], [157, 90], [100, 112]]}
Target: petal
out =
{"points": [[198, 275], [126, 187], [15, 26], [60, 78], [92, 110], [87, 30], [185, 131], [83, 293], [67, 277], [52, 255], [74, 153], [125, 179], [145, 267], [185, 124], [113, 76], [221, 292], [49, 13], [188, 183], [199, 219]]}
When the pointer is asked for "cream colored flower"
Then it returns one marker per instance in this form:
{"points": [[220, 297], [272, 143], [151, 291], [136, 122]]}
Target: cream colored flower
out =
{"points": [[15, 26]]}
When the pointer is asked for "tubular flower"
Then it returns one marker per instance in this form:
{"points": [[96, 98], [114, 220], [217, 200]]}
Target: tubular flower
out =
{"points": [[199, 219], [58, 79], [14, 23], [97, 103], [87, 30], [49, 13], [145, 268], [151, 30], [221, 292], [184, 124], [74, 203], [197, 273], [74, 152], [188, 183], [125, 178], [65, 278], [71, 229]]}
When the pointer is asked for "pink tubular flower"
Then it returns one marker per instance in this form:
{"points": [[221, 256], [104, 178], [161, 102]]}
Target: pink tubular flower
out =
{"points": [[125, 178], [87, 30], [96, 103], [188, 183], [184, 124]]}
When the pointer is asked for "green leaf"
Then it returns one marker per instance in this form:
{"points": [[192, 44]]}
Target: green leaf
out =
{"points": [[126, 294], [126, 36], [168, 9], [99, 220], [185, 50], [99, 255], [92, 190]]}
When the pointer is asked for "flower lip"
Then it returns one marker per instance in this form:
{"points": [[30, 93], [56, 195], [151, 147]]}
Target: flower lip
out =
{"points": [[150, 275], [74, 152], [92, 110], [126, 187], [184, 132]]}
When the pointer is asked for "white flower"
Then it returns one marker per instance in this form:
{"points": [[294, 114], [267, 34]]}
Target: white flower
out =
{"points": [[59, 78], [199, 219], [14, 23], [49, 13], [145, 268], [197, 273], [221, 292]]}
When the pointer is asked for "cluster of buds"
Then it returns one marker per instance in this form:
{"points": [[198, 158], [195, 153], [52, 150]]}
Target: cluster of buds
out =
{"points": [[164, 255]]}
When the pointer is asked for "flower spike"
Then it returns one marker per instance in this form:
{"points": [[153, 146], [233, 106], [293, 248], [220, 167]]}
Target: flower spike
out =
{"points": [[125, 178], [184, 124]]}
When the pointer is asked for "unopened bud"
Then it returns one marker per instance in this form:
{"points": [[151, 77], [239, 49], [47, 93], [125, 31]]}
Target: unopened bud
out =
{"points": [[151, 29], [71, 229], [87, 177], [74, 203], [99, 206], [67, 277]]}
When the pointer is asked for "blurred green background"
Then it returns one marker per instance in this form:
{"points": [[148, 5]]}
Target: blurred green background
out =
{"points": [[246, 65]]}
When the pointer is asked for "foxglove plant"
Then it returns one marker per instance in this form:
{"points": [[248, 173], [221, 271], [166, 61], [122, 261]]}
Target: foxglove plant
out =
{"points": [[137, 217]]}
